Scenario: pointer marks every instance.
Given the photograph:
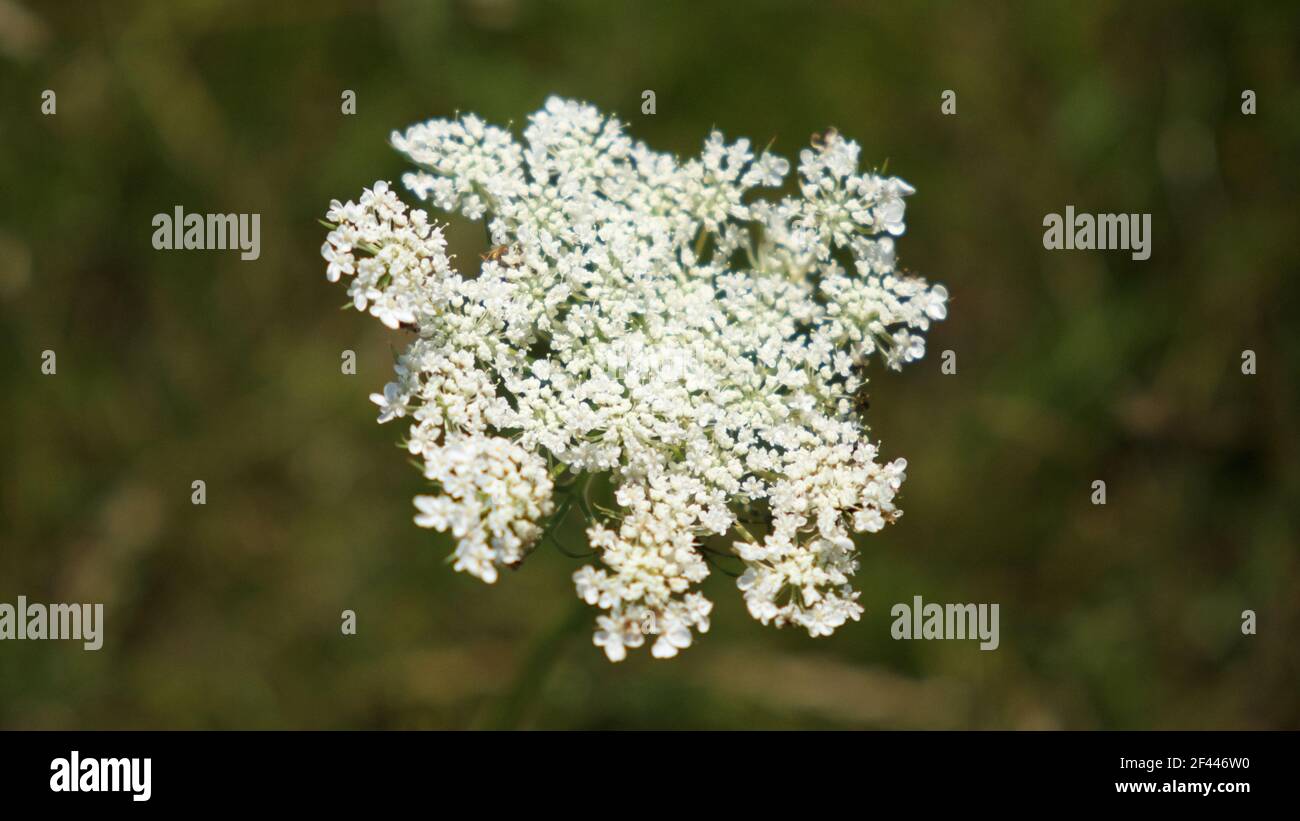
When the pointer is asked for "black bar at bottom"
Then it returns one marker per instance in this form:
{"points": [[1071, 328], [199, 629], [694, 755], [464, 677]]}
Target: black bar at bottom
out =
{"points": [[331, 770]]}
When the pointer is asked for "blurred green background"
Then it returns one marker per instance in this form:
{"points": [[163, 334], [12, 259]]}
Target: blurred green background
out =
{"points": [[1072, 366]]}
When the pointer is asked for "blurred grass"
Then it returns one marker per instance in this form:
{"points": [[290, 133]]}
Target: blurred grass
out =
{"points": [[1071, 366]]}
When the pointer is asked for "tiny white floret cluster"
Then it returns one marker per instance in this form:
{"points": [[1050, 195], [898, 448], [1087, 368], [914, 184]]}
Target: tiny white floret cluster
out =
{"points": [[655, 323]]}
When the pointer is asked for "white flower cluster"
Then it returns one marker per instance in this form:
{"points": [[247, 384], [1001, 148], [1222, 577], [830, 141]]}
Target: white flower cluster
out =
{"points": [[493, 494], [652, 322]]}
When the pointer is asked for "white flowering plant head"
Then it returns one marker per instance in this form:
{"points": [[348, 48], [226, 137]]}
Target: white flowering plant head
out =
{"points": [[651, 327]]}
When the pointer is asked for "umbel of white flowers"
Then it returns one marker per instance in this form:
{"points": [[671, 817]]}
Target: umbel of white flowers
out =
{"points": [[652, 322]]}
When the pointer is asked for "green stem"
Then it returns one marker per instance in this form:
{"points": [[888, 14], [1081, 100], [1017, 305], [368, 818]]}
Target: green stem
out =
{"points": [[744, 531], [508, 713]]}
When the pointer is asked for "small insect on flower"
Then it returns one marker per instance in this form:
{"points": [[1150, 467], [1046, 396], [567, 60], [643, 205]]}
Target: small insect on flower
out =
{"points": [[819, 139], [862, 400], [674, 338]]}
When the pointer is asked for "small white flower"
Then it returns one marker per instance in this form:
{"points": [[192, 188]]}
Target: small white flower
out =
{"points": [[392, 403]]}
